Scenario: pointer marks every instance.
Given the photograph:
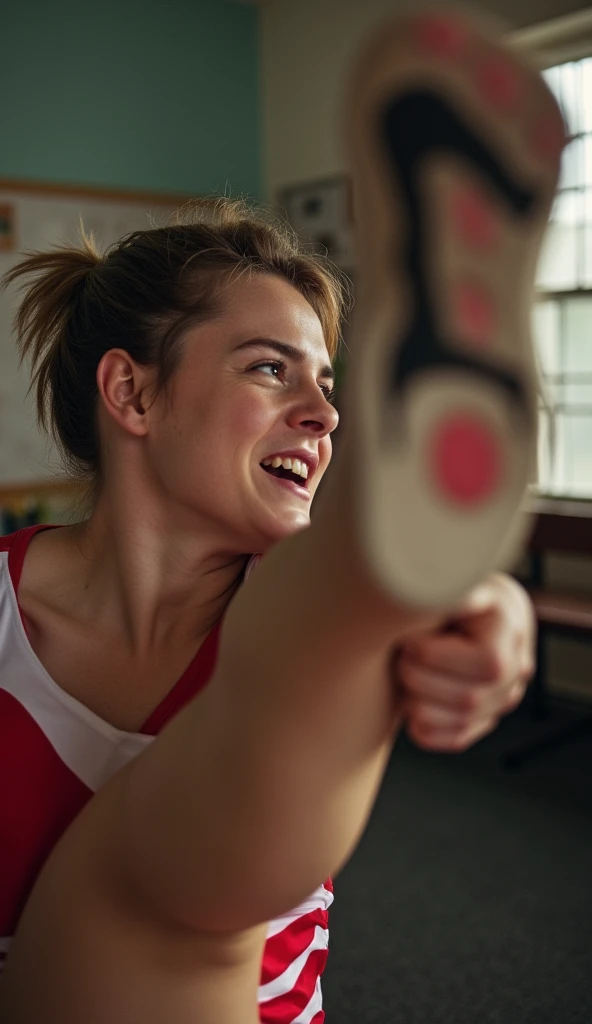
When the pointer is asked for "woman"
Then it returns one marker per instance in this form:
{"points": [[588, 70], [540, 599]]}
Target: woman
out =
{"points": [[188, 374]]}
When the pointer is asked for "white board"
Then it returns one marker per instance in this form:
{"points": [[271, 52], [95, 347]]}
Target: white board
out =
{"points": [[42, 219]]}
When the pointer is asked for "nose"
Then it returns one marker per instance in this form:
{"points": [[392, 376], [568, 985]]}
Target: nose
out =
{"points": [[314, 413]]}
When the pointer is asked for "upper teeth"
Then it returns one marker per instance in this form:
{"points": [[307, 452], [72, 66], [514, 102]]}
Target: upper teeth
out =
{"points": [[298, 467]]}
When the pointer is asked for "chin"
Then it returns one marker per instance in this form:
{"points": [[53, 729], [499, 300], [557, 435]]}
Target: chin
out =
{"points": [[280, 530]]}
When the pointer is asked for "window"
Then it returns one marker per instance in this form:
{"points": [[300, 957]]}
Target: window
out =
{"points": [[563, 312]]}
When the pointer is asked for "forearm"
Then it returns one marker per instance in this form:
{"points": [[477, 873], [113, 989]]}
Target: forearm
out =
{"points": [[261, 788]]}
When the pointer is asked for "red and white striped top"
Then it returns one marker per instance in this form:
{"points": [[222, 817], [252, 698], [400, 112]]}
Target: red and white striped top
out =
{"points": [[55, 753]]}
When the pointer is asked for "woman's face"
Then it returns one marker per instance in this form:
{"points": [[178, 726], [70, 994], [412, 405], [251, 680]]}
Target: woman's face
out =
{"points": [[251, 388]]}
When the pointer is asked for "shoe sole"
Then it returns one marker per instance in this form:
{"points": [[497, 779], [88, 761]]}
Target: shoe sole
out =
{"points": [[454, 147]]}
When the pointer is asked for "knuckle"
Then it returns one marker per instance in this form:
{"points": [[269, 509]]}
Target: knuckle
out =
{"points": [[516, 696], [465, 722], [431, 740], [496, 669], [471, 700], [420, 719], [464, 739]]}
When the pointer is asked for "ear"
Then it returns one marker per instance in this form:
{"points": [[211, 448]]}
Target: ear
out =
{"points": [[122, 385]]}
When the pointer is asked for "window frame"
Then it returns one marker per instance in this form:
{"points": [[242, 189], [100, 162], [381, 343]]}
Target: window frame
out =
{"points": [[557, 41]]}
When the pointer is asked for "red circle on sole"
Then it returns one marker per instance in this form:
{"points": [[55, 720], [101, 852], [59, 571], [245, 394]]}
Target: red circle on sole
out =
{"points": [[441, 35], [465, 459], [475, 219], [500, 83], [474, 313]]}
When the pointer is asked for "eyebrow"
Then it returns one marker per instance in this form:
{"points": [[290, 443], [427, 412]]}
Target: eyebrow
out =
{"points": [[286, 350]]}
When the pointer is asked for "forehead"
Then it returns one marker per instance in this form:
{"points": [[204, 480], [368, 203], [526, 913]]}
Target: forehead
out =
{"points": [[261, 305]]}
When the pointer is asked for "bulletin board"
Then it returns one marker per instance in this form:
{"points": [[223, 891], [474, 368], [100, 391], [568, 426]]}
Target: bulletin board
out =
{"points": [[34, 217]]}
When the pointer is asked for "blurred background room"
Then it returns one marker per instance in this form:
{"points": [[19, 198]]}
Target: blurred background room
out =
{"points": [[469, 900]]}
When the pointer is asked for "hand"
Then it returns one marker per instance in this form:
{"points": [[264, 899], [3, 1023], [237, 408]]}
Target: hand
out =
{"points": [[455, 683]]}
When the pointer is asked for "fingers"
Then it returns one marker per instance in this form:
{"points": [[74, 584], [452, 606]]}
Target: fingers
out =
{"points": [[487, 647], [499, 615], [455, 655], [418, 683], [460, 690], [455, 684], [456, 724], [445, 714], [448, 741]]}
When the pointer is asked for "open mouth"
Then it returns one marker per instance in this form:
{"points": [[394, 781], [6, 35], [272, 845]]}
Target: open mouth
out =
{"points": [[285, 474]]}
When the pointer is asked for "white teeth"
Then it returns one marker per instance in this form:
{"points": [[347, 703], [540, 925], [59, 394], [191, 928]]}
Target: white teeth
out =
{"points": [[295, 465]]}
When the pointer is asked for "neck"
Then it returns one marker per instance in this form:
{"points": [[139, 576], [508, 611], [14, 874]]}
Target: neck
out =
{"points": [[159, 580]]}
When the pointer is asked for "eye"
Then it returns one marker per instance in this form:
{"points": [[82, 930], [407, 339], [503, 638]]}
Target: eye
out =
{"points": [[328, 392], [276, 366]]}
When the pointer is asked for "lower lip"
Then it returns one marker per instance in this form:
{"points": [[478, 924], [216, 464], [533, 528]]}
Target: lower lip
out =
{"points": [[300, 492]]}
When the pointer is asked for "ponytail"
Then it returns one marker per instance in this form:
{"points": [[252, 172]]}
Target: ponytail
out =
{"points": [[55, 283]]}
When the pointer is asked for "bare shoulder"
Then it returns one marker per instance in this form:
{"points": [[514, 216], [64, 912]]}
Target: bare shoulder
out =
{"points": [[100, 951]]}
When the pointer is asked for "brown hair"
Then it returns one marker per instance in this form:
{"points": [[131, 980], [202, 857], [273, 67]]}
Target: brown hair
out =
{"points": [[141, 295]]}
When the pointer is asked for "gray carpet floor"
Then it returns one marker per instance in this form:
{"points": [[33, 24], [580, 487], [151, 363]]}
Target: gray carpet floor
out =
{"points": [[469, 899]]}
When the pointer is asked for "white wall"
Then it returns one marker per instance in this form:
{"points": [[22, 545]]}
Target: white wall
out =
{"points": [[305, 49]]}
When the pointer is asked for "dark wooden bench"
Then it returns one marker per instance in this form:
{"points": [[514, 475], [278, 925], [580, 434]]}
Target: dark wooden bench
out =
{"points": [[560, 527]]}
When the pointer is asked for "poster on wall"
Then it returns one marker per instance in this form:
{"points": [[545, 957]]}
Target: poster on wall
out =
{"points": [[320, 213]]}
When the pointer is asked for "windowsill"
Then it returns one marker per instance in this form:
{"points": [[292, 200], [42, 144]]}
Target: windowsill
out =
{"points": [[554, 505], [561, 525]]}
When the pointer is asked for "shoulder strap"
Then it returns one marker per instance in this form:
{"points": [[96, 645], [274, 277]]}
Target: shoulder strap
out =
{"points": [[16, 544]]}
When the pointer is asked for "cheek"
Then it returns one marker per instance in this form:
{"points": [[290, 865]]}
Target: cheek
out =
{"points": [[249, 417], [325, 451], [230, 421]]}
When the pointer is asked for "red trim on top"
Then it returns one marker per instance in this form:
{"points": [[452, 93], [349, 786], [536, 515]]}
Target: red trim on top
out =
{"points": [[16, 544], [194, 678]]}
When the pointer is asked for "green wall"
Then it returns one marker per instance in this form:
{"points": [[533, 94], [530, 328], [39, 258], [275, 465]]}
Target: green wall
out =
{"points": [[147, 94]]}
